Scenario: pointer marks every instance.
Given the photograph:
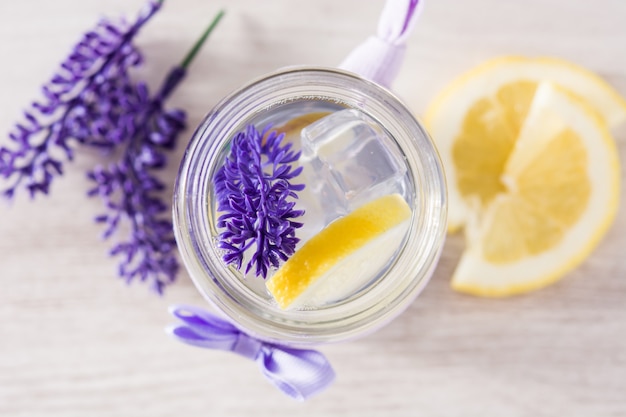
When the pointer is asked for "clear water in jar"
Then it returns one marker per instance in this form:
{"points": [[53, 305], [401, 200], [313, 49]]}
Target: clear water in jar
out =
{"points": [[348, 160]]}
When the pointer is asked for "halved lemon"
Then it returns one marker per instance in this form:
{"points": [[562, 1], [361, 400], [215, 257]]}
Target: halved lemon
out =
{"points": [[343, 256], [477, 120], [558, 194]]}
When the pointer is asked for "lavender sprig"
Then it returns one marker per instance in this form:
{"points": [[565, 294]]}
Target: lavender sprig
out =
{"points": [[254, 191], [130, 189], [88, 101], [93, 101]]}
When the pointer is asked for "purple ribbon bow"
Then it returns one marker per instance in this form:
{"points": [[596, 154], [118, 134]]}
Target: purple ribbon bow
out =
{"points": [[299, 373], [380, 57]]}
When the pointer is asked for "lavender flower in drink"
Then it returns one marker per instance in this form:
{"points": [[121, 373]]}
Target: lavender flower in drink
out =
{"points": [[255, 194], [93, 101]]}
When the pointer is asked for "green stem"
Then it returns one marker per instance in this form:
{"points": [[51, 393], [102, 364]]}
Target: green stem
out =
{"points": [[196, 47]]}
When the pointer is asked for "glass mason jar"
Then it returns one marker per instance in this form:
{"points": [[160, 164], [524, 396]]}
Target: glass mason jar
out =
{"points": [[275, 99]]}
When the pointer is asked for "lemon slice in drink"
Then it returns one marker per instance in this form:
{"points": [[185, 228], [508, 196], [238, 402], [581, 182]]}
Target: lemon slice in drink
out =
{"points": [[477, 119], [559, 194], [343, 256]]}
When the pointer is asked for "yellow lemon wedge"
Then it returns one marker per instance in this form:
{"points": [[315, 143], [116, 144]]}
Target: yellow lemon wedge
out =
{"points": [[343, 256], [557, 195], [476, 122]]}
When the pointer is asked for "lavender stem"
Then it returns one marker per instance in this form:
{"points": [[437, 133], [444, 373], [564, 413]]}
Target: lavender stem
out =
{"points": [[196, 47]]}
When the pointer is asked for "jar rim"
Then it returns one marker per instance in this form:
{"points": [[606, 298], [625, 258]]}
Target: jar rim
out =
{"points": [[417, 257]]}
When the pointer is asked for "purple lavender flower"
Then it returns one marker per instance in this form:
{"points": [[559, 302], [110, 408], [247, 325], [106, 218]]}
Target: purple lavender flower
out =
{"points": [[93, 101], [253, 189], [130, 191], [88, 101]]}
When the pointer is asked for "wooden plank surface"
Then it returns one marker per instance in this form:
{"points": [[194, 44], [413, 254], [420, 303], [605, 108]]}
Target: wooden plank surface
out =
{"points": [[75, 341]]}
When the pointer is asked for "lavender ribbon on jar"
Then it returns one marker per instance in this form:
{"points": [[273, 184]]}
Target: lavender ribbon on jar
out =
{"points": [[380, 57], [299, 373]]}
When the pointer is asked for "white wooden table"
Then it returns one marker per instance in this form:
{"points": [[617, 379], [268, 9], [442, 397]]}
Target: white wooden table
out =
{"points": [[76, 341]]}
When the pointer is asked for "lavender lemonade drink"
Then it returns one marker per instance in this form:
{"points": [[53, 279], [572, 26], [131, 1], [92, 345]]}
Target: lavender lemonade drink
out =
{"points": [[310, 206]]}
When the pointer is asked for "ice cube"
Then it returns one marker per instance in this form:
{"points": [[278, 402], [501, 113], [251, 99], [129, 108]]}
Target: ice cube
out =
{"points": [[348, 161]]}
